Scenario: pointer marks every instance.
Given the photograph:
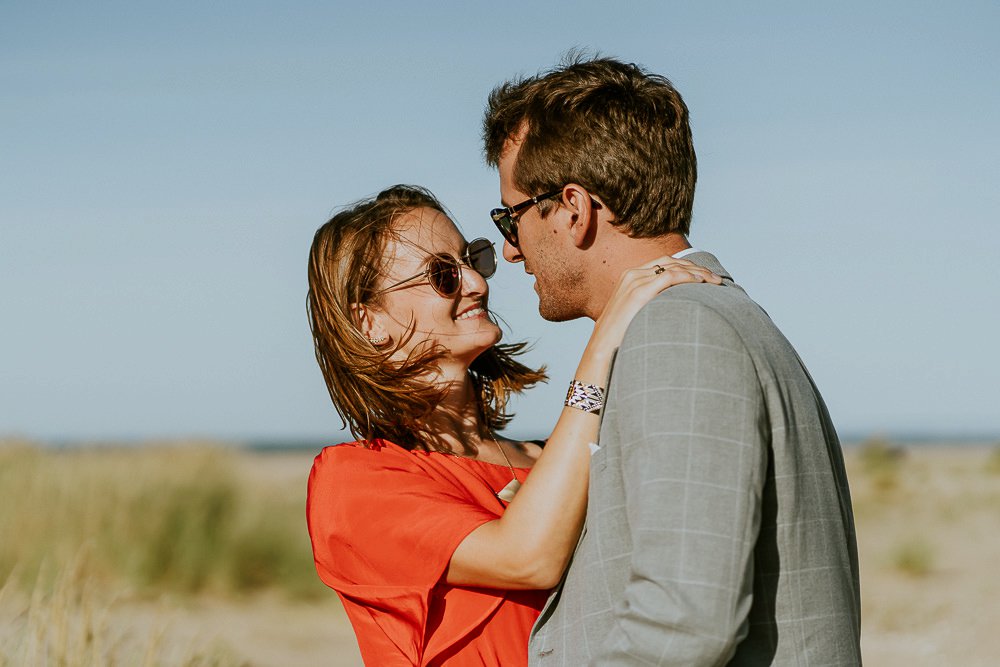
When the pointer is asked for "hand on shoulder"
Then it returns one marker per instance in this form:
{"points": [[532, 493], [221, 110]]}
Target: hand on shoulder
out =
{"points": [[638, 286]]}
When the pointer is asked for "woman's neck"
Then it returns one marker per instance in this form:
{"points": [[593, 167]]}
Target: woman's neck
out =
{"points": [[456, 419]]}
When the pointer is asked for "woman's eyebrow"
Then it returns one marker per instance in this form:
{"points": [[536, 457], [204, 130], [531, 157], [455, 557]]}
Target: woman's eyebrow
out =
{"points": [[428, 253]]}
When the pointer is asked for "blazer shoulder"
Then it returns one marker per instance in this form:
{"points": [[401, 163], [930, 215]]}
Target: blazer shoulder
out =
{"points": [[720, 317], [683, 301]]}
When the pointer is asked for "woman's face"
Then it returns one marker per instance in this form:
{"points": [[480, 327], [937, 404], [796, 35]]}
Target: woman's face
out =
{"points": [[459, 324]]}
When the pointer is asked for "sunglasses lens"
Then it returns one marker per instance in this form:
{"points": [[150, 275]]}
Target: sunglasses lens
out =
{"points": [[444, 276], [510, 231], [482, 257], [506, 225]]}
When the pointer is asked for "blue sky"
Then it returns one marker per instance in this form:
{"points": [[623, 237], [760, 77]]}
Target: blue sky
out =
{"points": [[164, 166]]}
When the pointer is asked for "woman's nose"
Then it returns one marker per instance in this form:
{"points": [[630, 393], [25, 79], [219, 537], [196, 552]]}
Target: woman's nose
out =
{"points": [[473, 282]]}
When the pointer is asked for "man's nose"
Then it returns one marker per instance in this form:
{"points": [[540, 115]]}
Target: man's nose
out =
{"points": [[511, 252]]}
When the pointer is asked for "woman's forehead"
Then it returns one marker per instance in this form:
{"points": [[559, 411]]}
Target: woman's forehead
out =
{"points": [[425, 231]]}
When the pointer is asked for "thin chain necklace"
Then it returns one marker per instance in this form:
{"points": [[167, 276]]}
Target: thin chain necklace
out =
{"points": [[507, 493]]}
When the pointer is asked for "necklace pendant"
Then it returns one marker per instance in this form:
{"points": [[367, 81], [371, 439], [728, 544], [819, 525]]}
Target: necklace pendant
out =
{"points": [[507, 493]]}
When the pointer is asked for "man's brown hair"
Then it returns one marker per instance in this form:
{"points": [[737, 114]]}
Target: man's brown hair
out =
{"points": [[617, 130], [378, 397]]}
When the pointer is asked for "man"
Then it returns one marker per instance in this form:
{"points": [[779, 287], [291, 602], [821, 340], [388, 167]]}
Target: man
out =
{"points": [[719, 527]]}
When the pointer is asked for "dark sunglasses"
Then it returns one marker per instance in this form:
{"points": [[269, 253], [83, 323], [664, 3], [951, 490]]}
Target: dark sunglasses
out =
{"points": [[444, 272], [506, 218]]}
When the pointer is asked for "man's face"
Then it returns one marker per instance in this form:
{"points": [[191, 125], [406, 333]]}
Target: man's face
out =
{"points": [[541, 247]]}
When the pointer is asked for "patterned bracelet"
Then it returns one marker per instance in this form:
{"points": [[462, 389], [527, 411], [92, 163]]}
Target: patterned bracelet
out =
{"points": [[586, 397]]}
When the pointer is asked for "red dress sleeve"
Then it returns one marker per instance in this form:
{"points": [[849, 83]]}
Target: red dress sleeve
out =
{"points": [[384, 523]]}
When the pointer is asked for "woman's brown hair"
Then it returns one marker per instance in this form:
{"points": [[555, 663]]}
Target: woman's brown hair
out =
{"points": [[377, 397]]}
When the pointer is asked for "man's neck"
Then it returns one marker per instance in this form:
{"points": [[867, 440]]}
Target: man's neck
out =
{"points": [[619, 253]]}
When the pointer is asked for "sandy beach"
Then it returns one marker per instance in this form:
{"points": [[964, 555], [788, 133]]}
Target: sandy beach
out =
{"points": [[927, 521]]}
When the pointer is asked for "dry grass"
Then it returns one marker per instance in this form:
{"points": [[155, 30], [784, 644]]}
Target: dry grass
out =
{"points": [[927, 521], [169, 555], [155, 525], [154, 519], [68, 621], [881, 462], [993, 463], [913, 556]]}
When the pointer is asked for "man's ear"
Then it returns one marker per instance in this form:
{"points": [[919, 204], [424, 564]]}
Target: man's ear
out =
{"points": [[369, 323], [582, 209]]}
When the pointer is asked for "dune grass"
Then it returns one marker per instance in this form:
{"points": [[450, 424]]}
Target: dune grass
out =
{"points": [[177, 519], [993, 462], [913, 556], [87, 528], [881, 460], [67, 621]]}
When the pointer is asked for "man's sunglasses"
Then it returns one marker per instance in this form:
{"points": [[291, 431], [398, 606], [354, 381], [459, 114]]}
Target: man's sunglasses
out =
{"points": [[444, 272], [506, 218]]}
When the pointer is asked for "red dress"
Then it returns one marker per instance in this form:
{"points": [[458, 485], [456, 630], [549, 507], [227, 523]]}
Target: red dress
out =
{"points": [[384, 522]]}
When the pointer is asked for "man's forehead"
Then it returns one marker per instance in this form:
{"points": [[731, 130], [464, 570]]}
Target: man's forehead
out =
{"points": [[508, 158]]}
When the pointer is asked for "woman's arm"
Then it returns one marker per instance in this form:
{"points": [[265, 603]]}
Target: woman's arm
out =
{"points": [[530, 545]]}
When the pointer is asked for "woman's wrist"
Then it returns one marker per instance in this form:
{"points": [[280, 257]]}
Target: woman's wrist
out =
{"points": [[585, 396], [594, 364]]}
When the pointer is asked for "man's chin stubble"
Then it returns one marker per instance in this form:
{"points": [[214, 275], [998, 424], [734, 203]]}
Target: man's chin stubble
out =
{"points": [[556, 312]]}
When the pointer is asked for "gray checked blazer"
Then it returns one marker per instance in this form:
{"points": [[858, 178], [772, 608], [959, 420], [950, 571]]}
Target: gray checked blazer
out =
{"points": [[719, 527]]}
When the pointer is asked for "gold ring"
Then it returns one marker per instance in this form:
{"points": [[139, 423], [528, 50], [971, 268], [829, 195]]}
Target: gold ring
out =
{"points": [[659, 269]]}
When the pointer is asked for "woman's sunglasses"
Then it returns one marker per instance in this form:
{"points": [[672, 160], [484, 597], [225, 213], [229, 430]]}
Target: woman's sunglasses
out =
{"points": [[444, 272]]}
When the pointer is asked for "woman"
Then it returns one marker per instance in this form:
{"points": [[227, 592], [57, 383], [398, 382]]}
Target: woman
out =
{"points": [[416, 525]]}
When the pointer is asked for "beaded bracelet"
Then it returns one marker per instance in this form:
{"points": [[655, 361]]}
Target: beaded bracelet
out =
{"points": [[586, 397]]}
